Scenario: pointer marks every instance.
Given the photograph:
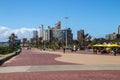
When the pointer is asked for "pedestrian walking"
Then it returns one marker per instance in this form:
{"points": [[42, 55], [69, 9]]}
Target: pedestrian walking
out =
{"points": [[115, 52], [63, 49]]}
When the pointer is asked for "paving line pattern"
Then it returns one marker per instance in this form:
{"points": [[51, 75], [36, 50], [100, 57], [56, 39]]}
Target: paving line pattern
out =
{"points": [[57, 68]]}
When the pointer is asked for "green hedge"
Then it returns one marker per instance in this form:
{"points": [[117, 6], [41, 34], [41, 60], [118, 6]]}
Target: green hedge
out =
{"points": [[6, 50]]}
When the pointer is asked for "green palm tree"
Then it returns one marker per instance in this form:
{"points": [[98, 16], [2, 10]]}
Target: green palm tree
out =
{"points": [[12, 40], [85, 40]]}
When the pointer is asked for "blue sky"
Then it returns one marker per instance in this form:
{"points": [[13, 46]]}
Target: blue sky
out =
{"points": [[96, 17]]}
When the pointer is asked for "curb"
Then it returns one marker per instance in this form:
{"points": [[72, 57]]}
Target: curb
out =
{"points": [[9, 56]]}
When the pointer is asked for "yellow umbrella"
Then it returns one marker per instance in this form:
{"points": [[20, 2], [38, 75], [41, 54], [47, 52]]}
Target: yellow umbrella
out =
{"points": [[95, 45], [105, 45], [114, 45], [109, 45]]}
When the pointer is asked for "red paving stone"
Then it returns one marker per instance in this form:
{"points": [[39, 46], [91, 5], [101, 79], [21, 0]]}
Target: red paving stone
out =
{"points": [[29, 57], [63, 75]]}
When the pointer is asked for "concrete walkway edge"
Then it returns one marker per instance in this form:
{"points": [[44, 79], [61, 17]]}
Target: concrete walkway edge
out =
{"points": [[57, 68], [9, 56]]}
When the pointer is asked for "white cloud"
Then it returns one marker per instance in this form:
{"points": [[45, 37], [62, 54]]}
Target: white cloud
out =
{"points": [[5, 32]]}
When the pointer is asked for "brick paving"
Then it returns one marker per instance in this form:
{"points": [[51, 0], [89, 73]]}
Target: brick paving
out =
{"points": [[29, 57], [32, 58], [63, 75]]}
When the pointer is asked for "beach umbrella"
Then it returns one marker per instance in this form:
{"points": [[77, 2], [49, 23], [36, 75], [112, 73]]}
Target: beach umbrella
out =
{"points": [[104, 45], [109, 45], [100, 45], [95, 45], [114, 45]]}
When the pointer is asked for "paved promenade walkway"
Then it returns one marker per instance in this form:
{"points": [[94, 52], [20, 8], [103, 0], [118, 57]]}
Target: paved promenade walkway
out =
{"points": [[49, 65], [86, 58], [58, 68]]}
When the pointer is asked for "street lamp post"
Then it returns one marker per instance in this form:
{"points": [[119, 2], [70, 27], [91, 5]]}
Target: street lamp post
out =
{"points": [[66, 30], [66, 37]]}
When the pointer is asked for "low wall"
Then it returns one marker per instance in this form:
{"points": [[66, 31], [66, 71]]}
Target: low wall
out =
{"points": [[9, 56]]}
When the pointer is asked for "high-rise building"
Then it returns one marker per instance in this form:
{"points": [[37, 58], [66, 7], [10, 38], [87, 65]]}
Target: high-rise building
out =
{"points": [[24, 42], [119, 29], [35, 34], [49, 30], [111, 36], [41, 31], [62, 34], [56, 32], [80, 35], [57, 25], [45, 35]]}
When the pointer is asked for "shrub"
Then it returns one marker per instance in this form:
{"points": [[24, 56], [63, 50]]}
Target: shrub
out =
{"points": [[6, 50]]}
